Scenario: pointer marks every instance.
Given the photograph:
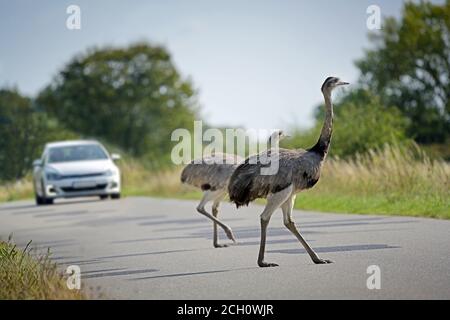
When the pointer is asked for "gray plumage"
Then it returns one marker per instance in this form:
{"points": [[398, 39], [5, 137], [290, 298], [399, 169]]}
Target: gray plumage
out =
{"points": [[299, 168], [210, 175], [214, 172]]}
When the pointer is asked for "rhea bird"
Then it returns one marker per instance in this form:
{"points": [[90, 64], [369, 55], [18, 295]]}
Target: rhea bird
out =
{"points": [[298, 170], [212, 174]]}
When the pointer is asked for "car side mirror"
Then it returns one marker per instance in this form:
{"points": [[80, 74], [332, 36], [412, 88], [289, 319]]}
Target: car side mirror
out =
{"points": [[37, 163], [115, 156]]}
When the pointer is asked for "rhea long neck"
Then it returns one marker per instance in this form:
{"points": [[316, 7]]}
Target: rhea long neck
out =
{"points": [[322, 146], [327, 129]]}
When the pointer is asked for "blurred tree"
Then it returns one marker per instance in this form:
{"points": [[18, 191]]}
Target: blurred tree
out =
{"points": [[133, 97], [23, 133], [18, 131], [409, 67]]}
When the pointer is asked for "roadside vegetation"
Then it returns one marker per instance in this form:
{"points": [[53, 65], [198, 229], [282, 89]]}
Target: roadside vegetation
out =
{"points": [[21, 189], [389, 180], [26, 276]]}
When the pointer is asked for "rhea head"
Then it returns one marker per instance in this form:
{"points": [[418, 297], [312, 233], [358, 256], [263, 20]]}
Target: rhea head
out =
{"points": [[278, 136], [331, 83]]}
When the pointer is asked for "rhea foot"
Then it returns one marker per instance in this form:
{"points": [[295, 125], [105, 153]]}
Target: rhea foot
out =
{"points": [[216, 245], [322, 261], [263, 264]]}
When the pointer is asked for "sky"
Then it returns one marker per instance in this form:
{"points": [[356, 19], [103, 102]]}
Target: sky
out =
{"points": [[256, 64]]}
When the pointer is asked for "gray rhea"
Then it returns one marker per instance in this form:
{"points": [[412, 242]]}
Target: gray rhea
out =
{"points": [[212, 174], [298, 170]]}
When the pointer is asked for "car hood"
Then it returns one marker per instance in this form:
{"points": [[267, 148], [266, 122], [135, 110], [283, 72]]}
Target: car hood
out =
{"points": [[81, 167]]}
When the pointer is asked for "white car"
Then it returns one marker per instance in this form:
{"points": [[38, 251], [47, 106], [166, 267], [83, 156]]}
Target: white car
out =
{"points": [[75, 169]]}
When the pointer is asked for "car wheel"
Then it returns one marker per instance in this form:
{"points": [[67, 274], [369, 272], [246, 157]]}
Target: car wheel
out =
{"points": [[115, 196], [39, 200], [103, 197]]}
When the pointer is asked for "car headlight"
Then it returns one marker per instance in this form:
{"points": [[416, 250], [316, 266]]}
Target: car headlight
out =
{"points": [[53, 176], [109, 173]]}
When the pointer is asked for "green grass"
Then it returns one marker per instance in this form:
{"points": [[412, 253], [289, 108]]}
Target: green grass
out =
{"points": [[24, 276], [374, 204]]}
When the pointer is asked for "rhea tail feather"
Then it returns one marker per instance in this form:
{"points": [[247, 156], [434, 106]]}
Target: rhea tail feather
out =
{"points": [[241, 188]]}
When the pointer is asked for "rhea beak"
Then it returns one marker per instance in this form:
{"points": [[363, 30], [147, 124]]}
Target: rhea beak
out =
{"points": [[342, 83]]}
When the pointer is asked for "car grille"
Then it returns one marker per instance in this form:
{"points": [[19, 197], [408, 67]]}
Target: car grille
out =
{"points": [[88, 175], [71, 189]]}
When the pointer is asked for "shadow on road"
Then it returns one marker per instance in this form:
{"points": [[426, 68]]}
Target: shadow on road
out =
{"points": [[112, 273], [362, 247], [28, 206], [191, 274]]}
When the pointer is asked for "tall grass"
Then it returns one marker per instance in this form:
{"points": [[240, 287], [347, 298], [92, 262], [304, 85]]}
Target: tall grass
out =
{"points": [[389, 180], [139, 181], [391, 171], [23, 276]]}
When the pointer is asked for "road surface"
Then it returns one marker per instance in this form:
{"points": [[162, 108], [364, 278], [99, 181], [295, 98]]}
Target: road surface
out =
{"points": [[144, 248]]}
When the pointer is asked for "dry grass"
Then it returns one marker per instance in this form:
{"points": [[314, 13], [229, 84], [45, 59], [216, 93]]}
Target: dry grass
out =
{"points": [[390, 171], [26, 276], [138, 181], [21, 189]]}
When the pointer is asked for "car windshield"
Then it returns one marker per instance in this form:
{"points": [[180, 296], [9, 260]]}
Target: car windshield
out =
{"points": [[76, 153]]}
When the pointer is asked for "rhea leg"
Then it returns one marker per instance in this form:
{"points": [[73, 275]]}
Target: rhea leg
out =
{"points": [[274, 201], [215, 211], [210, 196], [289, 223]]}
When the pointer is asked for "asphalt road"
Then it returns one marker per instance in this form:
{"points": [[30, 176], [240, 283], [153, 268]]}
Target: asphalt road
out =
{"points": [[144, 248]]}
